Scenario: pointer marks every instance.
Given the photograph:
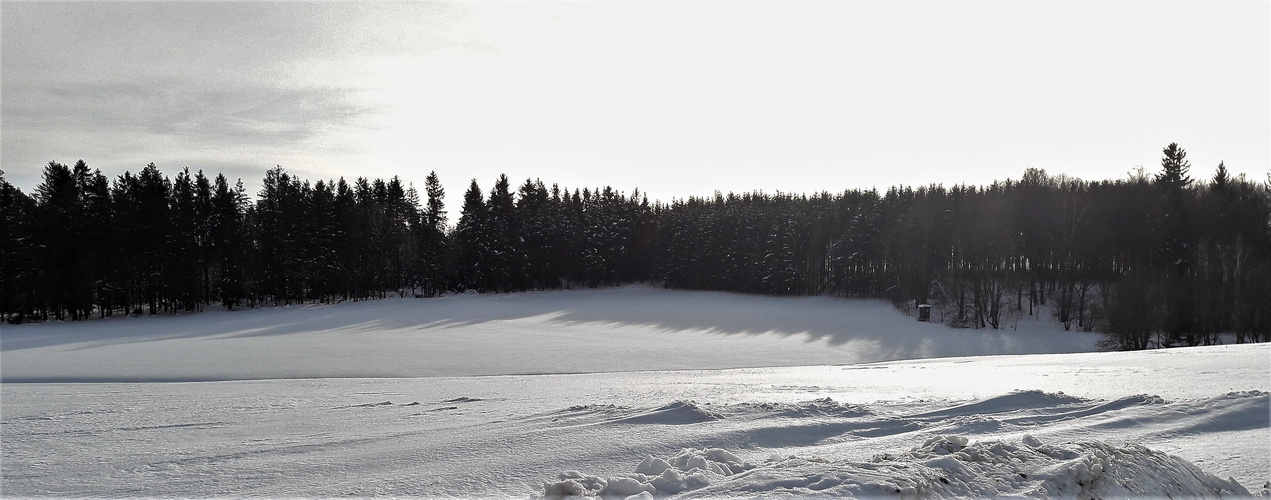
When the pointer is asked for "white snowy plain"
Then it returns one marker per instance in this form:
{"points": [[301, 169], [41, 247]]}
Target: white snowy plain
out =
{"points": [[617, 392]]}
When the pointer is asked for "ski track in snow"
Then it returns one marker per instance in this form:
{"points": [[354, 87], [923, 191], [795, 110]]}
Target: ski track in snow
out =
{"points": [[1054, 425]]}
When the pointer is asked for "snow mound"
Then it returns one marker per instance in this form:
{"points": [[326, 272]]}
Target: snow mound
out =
{"points": [[1014, 401], [1072, 412], [676, 413], [1232, 411], [823, 407], [654, 477], [943, 467]]}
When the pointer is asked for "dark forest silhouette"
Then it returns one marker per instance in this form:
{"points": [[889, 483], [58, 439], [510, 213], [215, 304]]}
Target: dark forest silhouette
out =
{"points": [[1149, 259]]}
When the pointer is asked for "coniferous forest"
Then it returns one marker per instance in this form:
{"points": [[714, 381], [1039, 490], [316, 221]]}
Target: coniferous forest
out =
{"points": [[1154, 259]]}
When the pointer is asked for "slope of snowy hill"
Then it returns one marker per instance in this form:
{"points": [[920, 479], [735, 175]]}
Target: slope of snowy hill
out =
{"points": [[457, 397]]}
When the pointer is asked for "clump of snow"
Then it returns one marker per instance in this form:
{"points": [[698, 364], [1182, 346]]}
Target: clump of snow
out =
{"points": [[595, 408], [822, 407], [688, 470], [942, 467], [944, 445]]}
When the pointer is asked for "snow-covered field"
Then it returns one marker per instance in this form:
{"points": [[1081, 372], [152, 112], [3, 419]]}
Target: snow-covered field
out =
{"points": [[615, 392], [584, 331]]}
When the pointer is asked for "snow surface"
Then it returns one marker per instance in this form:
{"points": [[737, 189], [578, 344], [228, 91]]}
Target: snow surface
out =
{"points": [[584, 331], [943, 467], [275, 411]]}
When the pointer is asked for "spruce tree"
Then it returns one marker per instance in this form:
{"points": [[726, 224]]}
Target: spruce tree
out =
{"points": [[203, 236], [183, 267], [17, 262], [1177, 246], [501, 261], [228, 242], [1174, 167], [471, 239], [61, 225], [347, 243], [1221, 177], [432, 238], [100, 242]]}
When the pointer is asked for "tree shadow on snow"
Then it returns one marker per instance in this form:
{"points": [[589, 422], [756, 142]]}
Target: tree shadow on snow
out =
{"points": [[834, 321]]}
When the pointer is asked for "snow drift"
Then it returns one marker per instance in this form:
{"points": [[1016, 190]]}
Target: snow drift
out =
{"points": [[784, 430], [943, 467]]}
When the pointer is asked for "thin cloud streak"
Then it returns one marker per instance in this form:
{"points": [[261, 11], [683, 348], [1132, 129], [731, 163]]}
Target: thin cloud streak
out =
{"points": [[243, 116], [151, 121]]}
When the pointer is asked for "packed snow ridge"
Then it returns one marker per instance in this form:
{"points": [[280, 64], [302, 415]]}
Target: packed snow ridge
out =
{"points": [[943, 467]]}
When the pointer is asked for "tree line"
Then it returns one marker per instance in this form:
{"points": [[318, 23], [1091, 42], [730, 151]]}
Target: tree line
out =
{"points": [[1151, 259]]}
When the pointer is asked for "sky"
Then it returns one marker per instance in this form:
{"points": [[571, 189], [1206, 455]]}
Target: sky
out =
{"points": [[677, 99]]}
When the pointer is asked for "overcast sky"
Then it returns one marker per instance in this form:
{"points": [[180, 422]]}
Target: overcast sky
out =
{"points": [[674, 98]]}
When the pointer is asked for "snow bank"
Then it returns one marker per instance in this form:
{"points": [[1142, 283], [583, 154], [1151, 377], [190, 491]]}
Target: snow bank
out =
{"points": [[943, 467], [501, 437], [654, 477]]}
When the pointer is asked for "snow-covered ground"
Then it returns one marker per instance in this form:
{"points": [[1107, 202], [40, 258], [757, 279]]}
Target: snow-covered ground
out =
{"points": [[615, 392], [582, 331]]}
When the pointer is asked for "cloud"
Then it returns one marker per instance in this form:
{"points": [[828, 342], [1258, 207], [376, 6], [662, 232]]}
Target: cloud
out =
{"points": [[217, 42], [229, 83], [133, 122], [249, 115]]}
